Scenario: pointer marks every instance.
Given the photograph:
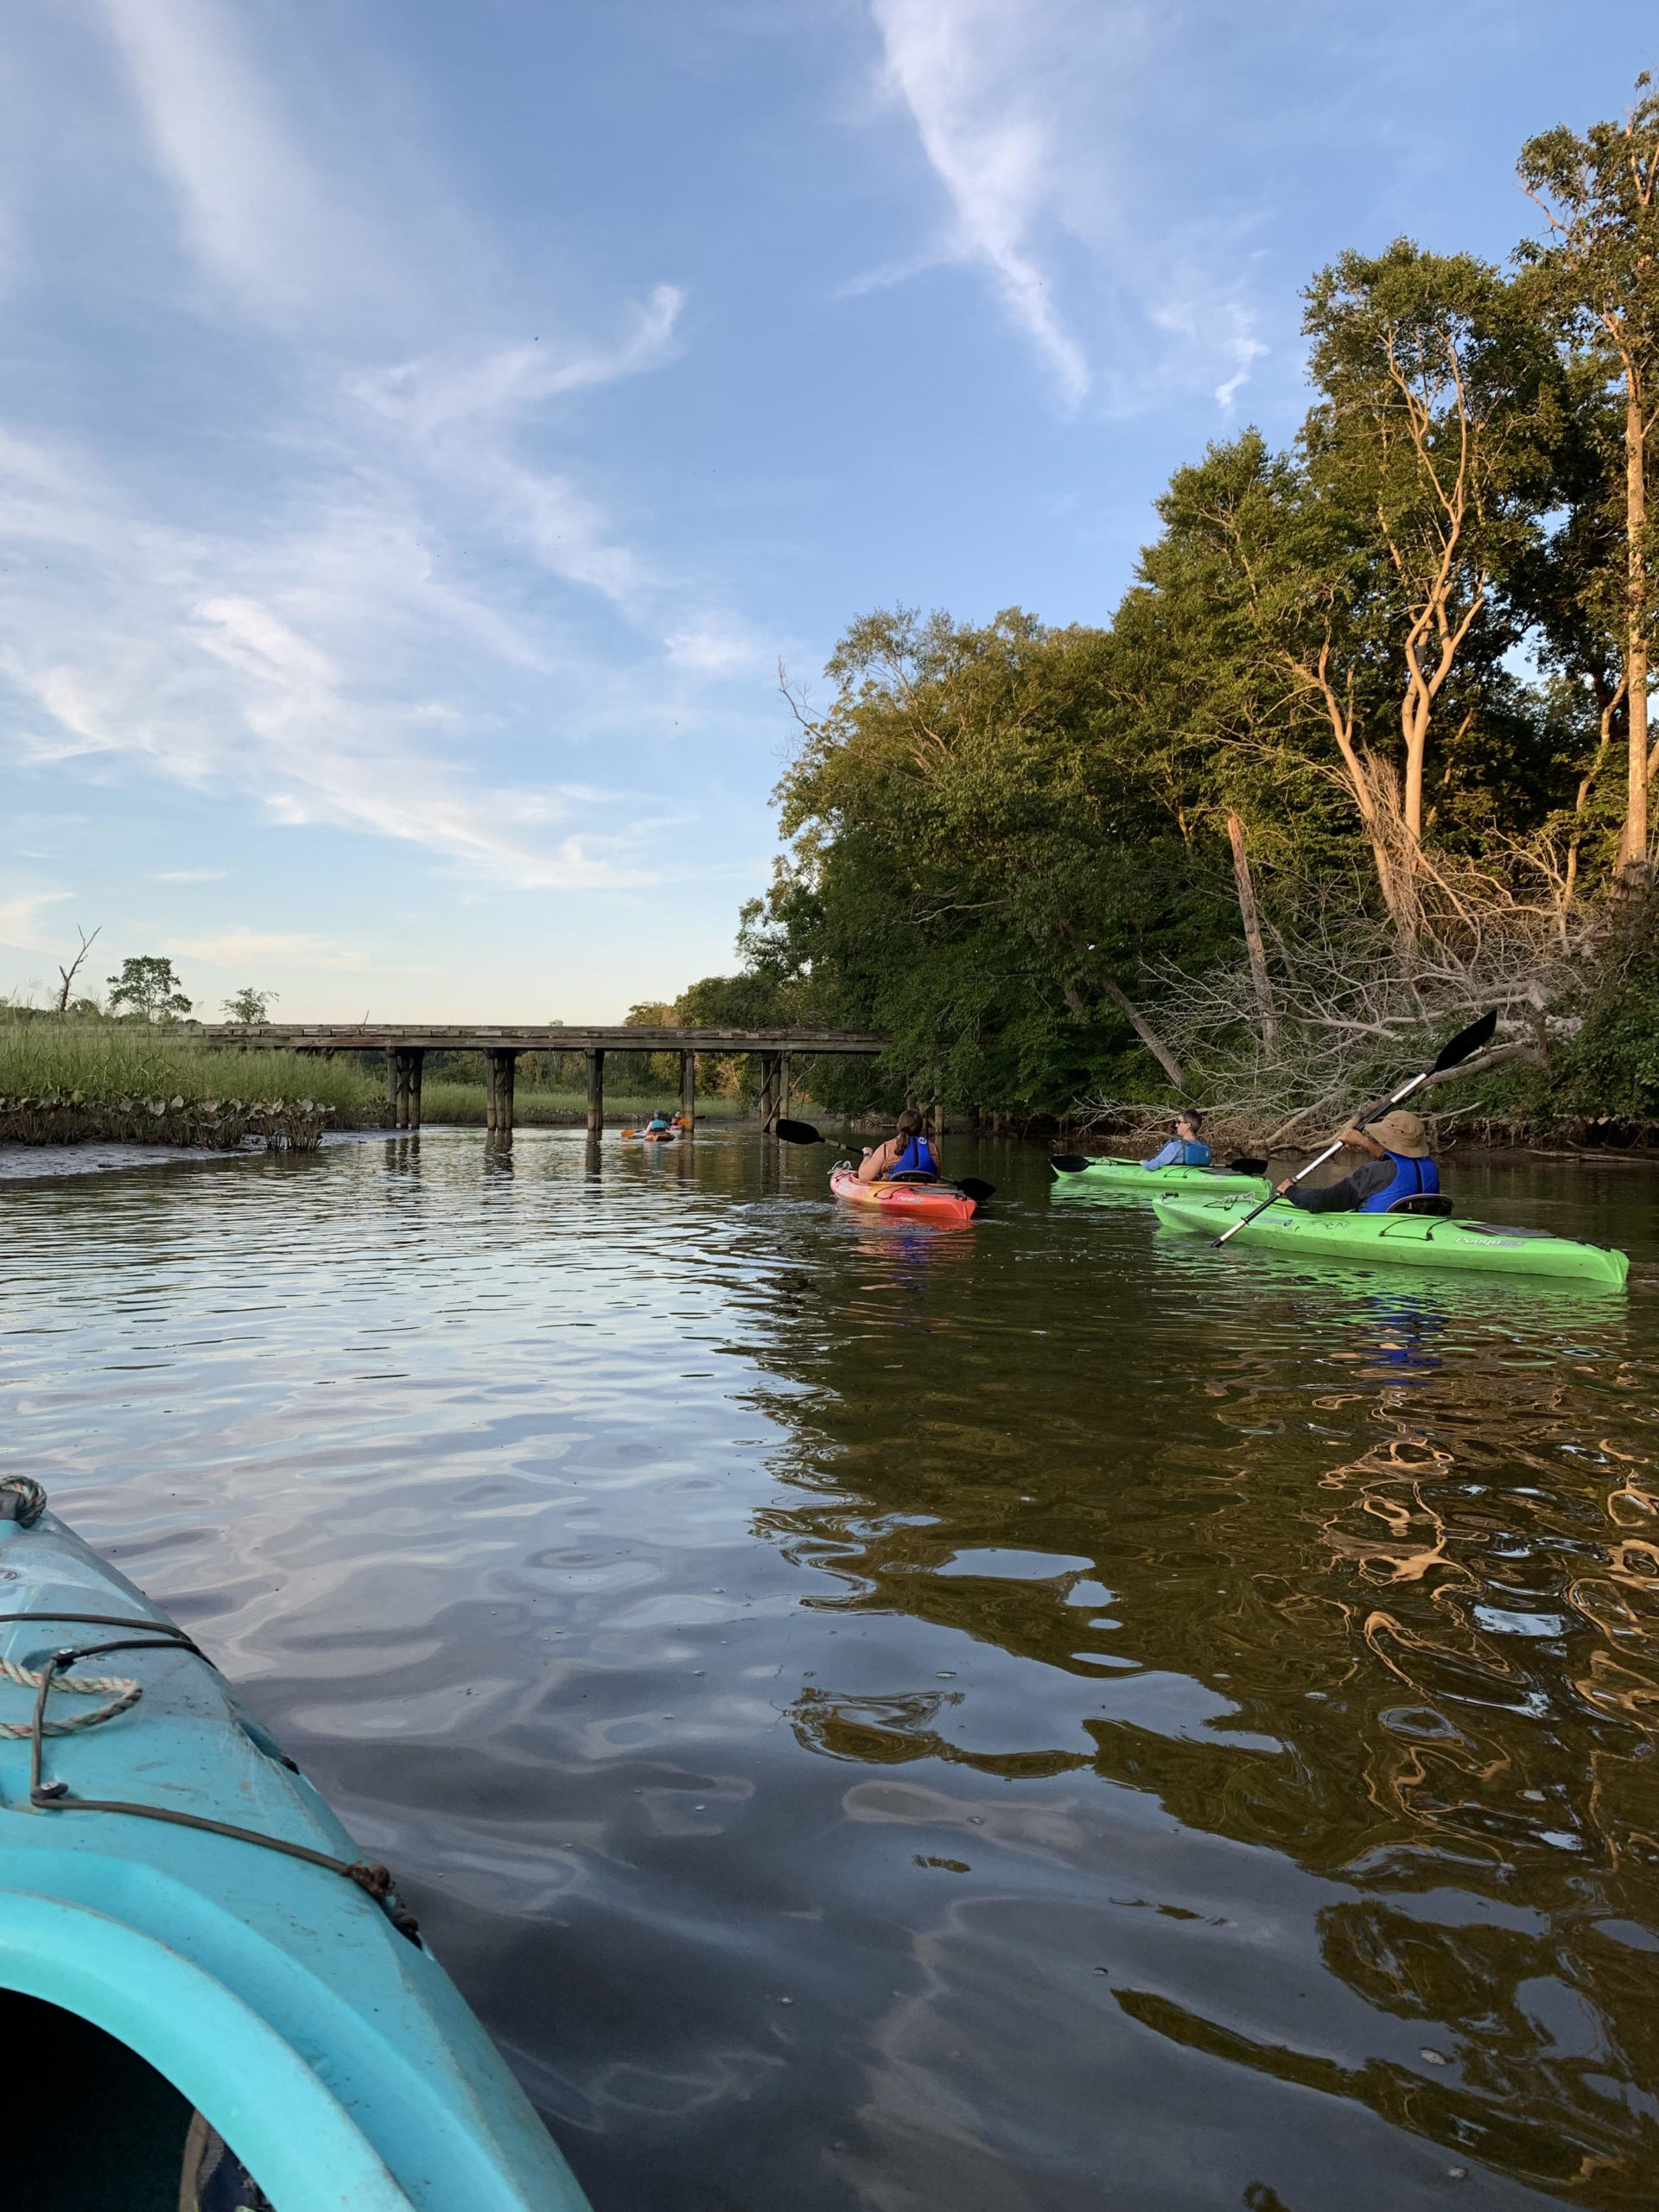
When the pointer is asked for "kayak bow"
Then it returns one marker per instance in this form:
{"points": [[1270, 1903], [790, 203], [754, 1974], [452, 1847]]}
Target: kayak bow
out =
{"points": [[1413, 1240], [186, 1924]]}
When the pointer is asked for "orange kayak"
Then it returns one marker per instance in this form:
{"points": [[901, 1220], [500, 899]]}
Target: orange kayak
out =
{"points": [[940, 1203]]}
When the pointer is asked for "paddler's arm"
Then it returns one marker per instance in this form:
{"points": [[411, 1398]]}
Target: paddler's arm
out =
{"points": [[871, 1166]]}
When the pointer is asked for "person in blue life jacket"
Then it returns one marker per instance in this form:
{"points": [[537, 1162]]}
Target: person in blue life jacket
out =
{"points": [[907, 1153], [657, 1126], [1186, 1148], [1397, 1167]]}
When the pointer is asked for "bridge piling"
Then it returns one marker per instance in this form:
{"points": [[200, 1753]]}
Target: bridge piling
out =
{"points": [[595, 1093], [687, 1088]]}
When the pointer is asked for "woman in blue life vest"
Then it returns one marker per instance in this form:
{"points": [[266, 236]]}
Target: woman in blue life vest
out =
{"points": [[907, 1153], [1185, 1148], [1397, 1167]]}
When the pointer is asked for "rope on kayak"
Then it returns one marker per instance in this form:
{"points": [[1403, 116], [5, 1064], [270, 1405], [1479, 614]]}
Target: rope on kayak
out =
{"points": [[121, 1690], [375, 1881]]}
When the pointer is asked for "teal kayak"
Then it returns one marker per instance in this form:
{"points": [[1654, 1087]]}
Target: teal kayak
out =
{"points": [[208, 1981], [1412, 1240], [1130, 1176]]}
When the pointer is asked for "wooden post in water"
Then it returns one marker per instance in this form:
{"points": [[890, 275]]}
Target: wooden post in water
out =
{"points": [[504, 1090], [782, 1114], [491, 1077], [595, 1095], [687, 1088], [417, 1071], [769, 1093], [400, 1108], [392, 1085]]}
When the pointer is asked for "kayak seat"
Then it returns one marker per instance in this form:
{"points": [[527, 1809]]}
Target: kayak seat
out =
{"points": [[911, 1175], [1432, 1202]]}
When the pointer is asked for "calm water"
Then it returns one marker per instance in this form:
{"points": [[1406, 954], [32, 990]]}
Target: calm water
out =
{"points": [[1041, 1717]]}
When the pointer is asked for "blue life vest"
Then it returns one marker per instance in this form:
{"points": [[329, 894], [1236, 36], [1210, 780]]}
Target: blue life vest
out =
{"points": [[1185, 1154], [1412, 1177], [1195, 1155], [915, 1158]]}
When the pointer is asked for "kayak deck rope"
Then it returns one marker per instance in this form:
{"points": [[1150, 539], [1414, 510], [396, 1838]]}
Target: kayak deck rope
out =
{"points": [[54, 1797], [23, 1500]]}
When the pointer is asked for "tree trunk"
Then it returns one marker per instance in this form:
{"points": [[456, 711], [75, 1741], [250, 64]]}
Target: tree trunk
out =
{"points": [[1253, 935], [1633, 845], [1148, 1036]]}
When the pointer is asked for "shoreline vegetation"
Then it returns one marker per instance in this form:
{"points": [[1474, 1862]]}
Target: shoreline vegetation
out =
{"points": [[69, 1078]]}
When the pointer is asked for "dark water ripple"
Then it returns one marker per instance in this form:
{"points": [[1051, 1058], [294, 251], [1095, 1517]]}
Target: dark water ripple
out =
{"points": [[1030, 1719]]}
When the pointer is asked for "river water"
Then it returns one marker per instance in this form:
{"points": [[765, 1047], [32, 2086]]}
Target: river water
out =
{"points": [[1033, 1718]]}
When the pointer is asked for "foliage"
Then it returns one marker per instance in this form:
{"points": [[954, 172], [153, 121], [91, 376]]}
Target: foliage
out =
{"points": [[1391, 653], [249, 1006], [148, 988]]}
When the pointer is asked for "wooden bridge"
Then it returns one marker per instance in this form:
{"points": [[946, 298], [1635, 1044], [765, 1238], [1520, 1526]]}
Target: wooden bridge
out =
{"points": [[406, 1045]]}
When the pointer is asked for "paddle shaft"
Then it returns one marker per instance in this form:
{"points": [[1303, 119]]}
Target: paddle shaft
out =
{"points": [[1330, 1153]]}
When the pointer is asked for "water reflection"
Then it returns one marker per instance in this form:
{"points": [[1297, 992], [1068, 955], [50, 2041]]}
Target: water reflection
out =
{"points": [[891, 1718]]}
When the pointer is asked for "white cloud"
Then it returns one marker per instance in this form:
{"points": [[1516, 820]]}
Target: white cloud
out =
{"points": [[20, 917], [956, 64], [189, 876], [238, 949], [1065, 153]]}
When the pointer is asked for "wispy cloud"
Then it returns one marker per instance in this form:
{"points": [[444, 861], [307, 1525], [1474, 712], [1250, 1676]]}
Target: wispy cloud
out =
{"points": [[238, 949], [20, 917], [379, 621], [985, 133], [1041, 121], [189, 876]]}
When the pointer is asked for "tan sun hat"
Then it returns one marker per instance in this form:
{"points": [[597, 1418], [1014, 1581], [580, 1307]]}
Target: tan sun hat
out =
{"points": [[1401, 1133]]}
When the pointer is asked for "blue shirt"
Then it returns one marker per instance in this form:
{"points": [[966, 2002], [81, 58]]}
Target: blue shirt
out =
{"points": [[1178, 1153]]}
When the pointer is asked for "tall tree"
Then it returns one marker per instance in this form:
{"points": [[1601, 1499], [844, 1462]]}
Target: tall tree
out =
{"points": [[1427, 464], [1600, 196]]}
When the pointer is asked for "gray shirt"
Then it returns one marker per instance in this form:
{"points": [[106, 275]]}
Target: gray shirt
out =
{"points": [[1366, 1180]]}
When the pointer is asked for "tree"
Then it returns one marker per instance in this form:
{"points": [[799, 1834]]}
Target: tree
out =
{"points": [[250, 1006], [1428, 461], [148, 988], [1600, 270], [69, 973]]}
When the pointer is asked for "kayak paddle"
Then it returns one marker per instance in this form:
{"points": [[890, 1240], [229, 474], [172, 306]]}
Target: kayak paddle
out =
{"points": [[796, 1133], [1466, 1042]]}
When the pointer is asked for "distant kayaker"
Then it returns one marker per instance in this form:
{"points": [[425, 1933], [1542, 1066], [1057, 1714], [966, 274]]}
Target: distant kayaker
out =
{"points": [[1398, 1167], [658, 1125], [1186, 1148], [907, 1153]]}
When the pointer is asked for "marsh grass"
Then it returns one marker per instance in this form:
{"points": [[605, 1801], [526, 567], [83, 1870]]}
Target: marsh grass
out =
{"points": [[104, 1064]]}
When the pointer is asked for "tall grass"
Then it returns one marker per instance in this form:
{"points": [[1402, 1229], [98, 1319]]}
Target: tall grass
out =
{"points": [[44, 1056]]}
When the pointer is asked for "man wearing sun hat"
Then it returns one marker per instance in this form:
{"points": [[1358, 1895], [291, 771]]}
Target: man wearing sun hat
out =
{"points": [[1398, 1167]]}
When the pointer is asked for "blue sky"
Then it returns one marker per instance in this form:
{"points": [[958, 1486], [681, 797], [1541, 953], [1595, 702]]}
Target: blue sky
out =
{"points": [[425, 428]]}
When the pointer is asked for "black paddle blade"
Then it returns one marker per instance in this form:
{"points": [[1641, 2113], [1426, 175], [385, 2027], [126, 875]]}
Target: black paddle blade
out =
{"points": [[971, 1187], [1247, 1167], [1466, 1043], [797, 1133], [1069, 1163]]}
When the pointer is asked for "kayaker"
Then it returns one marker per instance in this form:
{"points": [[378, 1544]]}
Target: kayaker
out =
{"points": [[1398, 1167], [658, 1125], [907, 1153], [1186, 1148]]}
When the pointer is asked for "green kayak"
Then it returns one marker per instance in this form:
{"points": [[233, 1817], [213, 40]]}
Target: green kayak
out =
{"points": [[1413, 1240], [1105, 1174]]}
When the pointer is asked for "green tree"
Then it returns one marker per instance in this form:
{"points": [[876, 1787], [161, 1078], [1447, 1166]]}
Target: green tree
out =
{"points": [[1599, 269], [250, 1006], [148, 988], [1427, 458]]}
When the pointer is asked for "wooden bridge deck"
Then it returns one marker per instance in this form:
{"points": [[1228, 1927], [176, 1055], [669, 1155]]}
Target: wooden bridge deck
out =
{"points": [[406, 1044]]}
